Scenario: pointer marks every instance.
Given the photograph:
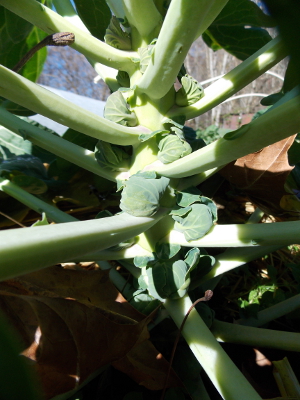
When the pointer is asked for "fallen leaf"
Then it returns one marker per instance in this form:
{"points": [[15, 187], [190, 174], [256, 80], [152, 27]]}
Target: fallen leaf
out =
{"points": [[73, 323], [262, 175]]}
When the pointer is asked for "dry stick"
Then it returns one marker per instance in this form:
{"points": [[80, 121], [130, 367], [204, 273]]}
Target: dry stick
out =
{"points": [[56, 39], [207, 296]]}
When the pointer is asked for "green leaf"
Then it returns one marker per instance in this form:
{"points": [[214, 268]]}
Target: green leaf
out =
{"points": [[143, 302], [141, 197], [171, 148], [188, 196], [243, 12], [112, 157], [116, 37], [166, 251], [29, 183], [145, 54], [145, 136], [14, 143], [95, 14], [239, 41], [42, 221], [116, 110], [237, 29], [165, 278], [196, 223], [190, 92]]}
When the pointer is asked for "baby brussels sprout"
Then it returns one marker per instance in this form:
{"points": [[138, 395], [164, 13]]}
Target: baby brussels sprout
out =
{"points": [[116, 110], [116, 37], [171, 148], [190, 92]]}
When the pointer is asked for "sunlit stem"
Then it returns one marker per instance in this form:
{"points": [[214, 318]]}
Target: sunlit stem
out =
{"points": [[143, 17], [279, 122], [184, 20], [250, 69], [51, 22], [30, 249], [40, 100], [243, 235], [257, 337], [226, 377]]}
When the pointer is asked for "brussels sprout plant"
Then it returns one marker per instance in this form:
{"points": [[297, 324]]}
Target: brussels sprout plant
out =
{"points": [[155, 161]]}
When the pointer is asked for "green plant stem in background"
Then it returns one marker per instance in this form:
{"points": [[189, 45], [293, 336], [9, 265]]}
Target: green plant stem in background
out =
{"points": [[257, 337], [234, 258], [145, 20], [235, 80], [50, 22], [277, 123], [226, 377], [174, 42], [273, 312], [55, 144], [29, 249], [40, 100], [243, 235], [40, 206]]}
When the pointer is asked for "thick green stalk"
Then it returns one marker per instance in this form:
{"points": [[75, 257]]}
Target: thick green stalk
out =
{"points": [[40, 206], [50, 22], [226, 377], [29, 249], [273, 312], [243, 235], [276, 124], [257, 337], [40, 100], [249, 70], [55, 144], [143, 17], [184, 19]]}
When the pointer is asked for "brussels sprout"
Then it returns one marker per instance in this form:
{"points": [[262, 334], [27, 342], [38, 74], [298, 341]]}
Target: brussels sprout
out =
{"points": [[142, 199], [171, 148], [116, 37], [116, 110], [113, 157], [190, 92], [145, 54]]}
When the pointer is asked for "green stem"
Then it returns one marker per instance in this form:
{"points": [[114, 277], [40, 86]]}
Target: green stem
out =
{"points": [[40, 206], [257, 337], [273, 312], [55, 144], [29, 249], [276, 124], [145, 18], [184, 19], [40, 100], [233, 258], [226, 377], [51, 22], [59, 216], [250, 69], [243, 235]]}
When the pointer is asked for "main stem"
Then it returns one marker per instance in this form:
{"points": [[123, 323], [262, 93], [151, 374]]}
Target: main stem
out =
{"points": [[226, 377]]}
